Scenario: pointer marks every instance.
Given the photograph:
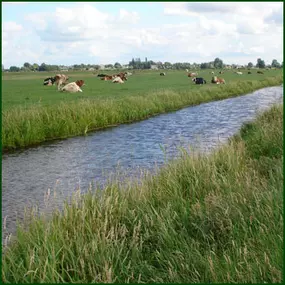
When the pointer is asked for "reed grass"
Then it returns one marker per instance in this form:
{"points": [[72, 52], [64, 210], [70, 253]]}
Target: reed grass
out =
{"points": [[203, 218], [26, 126]]}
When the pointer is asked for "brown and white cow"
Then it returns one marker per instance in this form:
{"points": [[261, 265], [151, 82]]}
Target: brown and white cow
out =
{"points": [[118, 80], [60, 79], [218, 80], [107, 77], [73, 86]]}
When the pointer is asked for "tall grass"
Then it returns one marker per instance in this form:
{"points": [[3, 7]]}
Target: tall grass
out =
{"points": [[23, 127], [215, 218]]}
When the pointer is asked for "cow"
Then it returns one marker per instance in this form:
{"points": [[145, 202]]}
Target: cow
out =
{"points": [[49, 81], [221, 72], [73, 86], [238, 72], [107, 77], [122, 75], [249, 72], [162, 74], [80, 83], [218, 80], [192, 74], [118, 80], [60, 79], [260, 72], [212, 72], [102, 75], [199, 80]]}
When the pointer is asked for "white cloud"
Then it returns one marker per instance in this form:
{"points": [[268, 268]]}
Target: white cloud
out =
{"points": [[199, 32], [10, 27], [250, 17], [14, 3], [128, 17]]}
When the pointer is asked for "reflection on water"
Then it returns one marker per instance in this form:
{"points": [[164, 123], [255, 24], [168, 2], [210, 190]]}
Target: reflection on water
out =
{"points": [[69, 164]]}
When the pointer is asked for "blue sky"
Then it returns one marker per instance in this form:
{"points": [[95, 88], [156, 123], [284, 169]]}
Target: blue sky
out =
{"points": [[105, 32]]}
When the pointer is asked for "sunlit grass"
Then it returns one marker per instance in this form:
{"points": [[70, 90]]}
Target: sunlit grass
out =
{"points": [[25, 126], [210, 219]]}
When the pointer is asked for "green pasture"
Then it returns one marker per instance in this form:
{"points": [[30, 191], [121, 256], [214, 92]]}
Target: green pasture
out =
{"points": [[26, 89], [34, 113]]}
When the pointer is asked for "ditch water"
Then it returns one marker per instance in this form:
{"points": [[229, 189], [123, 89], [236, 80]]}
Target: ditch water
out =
{"points": [[67, 165]]}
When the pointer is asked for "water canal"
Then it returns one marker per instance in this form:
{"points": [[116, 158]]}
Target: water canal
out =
{"points": [[66, 165]]}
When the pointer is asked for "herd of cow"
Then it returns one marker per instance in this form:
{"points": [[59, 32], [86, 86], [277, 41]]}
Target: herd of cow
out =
{"points": [[62, 85], [61, 81], [116, 78], [201, 80], [215, 79]]}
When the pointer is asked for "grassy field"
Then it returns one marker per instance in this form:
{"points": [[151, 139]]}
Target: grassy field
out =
{"points": [[209, 219], [33, 113], [26, 89]]}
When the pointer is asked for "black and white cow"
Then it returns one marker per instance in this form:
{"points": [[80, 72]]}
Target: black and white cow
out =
{"points": [[199, 80], [49, 81]]}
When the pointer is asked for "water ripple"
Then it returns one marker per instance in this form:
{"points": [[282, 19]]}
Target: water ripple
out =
{"points": [[72, 163]]}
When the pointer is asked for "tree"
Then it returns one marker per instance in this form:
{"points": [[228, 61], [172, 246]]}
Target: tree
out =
{"points": [[35, 67], [117, 65], [218, 63], [275, 63], [27, 65], [167, 64], [109, 66], [250, 65], [132, 63], [260, 63], [43, 67], [14, 69], [204, 65]]}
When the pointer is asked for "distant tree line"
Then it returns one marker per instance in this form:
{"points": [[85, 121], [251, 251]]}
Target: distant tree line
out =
{"points": [[139, 64]]}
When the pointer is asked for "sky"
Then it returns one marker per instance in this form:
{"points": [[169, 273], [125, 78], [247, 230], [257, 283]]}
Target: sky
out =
{"points": [[67, 33]]}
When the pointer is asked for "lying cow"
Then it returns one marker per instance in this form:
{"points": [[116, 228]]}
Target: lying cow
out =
{"points": [[260, 72], [73, 86], [107, 77], [218, 80], [239, 72], [102, 75], [122, 75], [192, 74], [118, 80], [199, 80], [162, 74], [60, 79], [49, 81]]}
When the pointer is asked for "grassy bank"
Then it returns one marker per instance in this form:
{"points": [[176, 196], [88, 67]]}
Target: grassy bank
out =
{"points": [[201, 219], [26, 126]]}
